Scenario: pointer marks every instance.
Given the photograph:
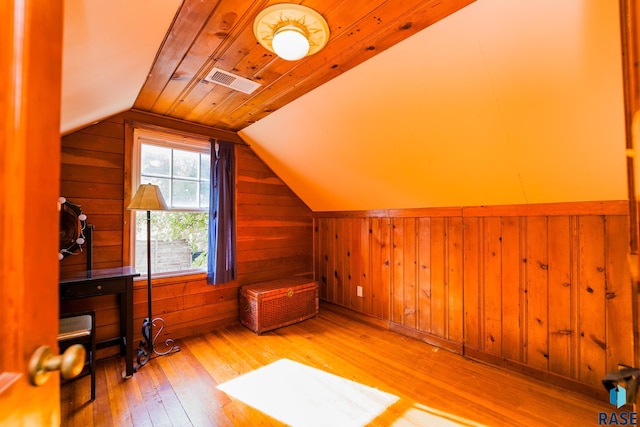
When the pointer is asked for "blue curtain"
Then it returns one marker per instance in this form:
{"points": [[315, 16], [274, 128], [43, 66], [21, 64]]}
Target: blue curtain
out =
{"points": [[221, 259]]}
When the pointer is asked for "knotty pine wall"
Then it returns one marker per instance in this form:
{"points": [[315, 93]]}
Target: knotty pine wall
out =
{"points": [[541, 288], [274, 234]]}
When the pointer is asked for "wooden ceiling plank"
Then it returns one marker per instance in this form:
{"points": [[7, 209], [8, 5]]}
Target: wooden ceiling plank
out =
{"points": [[268, 68], [359, 30], [249, 59], [206, 110], [185, 28], [237, 46], [342, 18], [317, 70], [419, 18], [203, 54], [349, 53]]}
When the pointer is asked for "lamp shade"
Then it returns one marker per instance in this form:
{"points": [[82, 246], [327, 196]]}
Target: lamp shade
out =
{"points": [[148, 198]]}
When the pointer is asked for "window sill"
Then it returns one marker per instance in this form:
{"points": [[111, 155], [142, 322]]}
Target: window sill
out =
{"points": [[174, 276]]}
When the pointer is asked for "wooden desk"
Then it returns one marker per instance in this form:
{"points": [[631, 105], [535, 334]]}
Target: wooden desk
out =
{"points": [[92, 283]]}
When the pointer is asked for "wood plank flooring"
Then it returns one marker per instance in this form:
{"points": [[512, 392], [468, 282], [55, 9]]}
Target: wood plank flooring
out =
{"points": [[434, 386]]}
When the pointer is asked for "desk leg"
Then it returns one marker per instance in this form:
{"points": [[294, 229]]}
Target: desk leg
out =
{"points": [[126, 326]]}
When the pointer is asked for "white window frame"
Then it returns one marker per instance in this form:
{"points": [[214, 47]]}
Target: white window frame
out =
{"points": [[169, 140]]}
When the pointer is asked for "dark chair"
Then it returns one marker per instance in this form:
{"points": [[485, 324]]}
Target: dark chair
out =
{"points": [[80, 328]]}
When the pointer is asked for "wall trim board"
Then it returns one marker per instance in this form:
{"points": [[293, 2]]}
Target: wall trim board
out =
{"points": [[548, 377], [452, 346], [380, 213], [360, 317], [424, 212], [607, 207]]}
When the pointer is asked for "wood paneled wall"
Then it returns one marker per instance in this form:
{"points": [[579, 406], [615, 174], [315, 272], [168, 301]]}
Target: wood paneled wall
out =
{"points": [[92, 176], [543, 288], [274, 230]]}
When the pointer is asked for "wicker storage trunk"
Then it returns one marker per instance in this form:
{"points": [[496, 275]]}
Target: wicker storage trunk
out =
{"points": [[270, 305]]}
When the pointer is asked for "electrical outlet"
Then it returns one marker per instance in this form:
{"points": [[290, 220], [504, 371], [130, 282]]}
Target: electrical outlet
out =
{"points": [[359, 291]]}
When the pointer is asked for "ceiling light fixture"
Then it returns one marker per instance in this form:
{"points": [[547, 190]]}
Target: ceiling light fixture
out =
{"points": [[291, 31]]}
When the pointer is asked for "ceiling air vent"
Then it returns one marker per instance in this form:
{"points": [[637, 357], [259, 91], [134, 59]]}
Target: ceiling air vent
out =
{"points": [[227, 79]]}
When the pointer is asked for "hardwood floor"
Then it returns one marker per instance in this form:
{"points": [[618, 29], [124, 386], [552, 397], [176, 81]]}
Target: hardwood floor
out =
{"points": [[434, 386]]}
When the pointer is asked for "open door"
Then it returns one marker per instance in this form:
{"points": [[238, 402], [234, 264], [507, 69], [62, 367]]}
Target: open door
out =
{"points": [[30, 83]]}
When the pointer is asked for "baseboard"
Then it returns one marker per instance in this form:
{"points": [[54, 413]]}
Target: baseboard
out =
{"points": [[360, 317], [548, 377], [443, 343]]}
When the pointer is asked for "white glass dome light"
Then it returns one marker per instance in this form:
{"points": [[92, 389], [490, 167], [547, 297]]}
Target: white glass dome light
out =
{"points": [[290, 43], [291, 31]]}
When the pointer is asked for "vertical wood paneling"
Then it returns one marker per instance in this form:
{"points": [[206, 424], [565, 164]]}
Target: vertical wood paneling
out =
{"points": [[424, 275], [438, 278], [472, 277], [537, 293], [545, 292], [455, 268], [324, 252], [317, 253], [510, 290], [365, 259], [562, 331], [574, 222], [341, 261], [397, 290], [331, 261], [409, 314], [347, 282], [380, 266], [492, 304], [591, 341], [617, 294], [355, 263]]}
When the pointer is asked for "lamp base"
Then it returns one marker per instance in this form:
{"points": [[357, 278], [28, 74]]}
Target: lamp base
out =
{"points": [[148, 344]]}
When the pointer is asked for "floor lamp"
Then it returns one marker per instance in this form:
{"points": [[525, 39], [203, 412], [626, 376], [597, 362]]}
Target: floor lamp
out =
{"points": [[149, 198]]}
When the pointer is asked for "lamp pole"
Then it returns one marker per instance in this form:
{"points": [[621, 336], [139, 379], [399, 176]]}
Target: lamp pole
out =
{"points": [[149, 297], [148, 197]]}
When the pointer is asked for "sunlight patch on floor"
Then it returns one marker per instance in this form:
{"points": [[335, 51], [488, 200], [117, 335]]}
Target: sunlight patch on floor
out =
{"points": [[421, 415], [299, 395]]}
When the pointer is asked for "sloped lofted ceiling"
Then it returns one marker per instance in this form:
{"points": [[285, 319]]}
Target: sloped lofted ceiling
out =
{"points": [[479, 107], [503, 102], [108, 48], [208, 34]]}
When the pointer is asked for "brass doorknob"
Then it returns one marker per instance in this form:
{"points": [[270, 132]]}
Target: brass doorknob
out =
{"points": [[69, 363]]}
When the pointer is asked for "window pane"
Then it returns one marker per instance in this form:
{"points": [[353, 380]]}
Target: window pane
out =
{"points": [[178, 241], [205, 167], [155, 160], [204, 194], [185, 194], [185, 164], [163, 183]]}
